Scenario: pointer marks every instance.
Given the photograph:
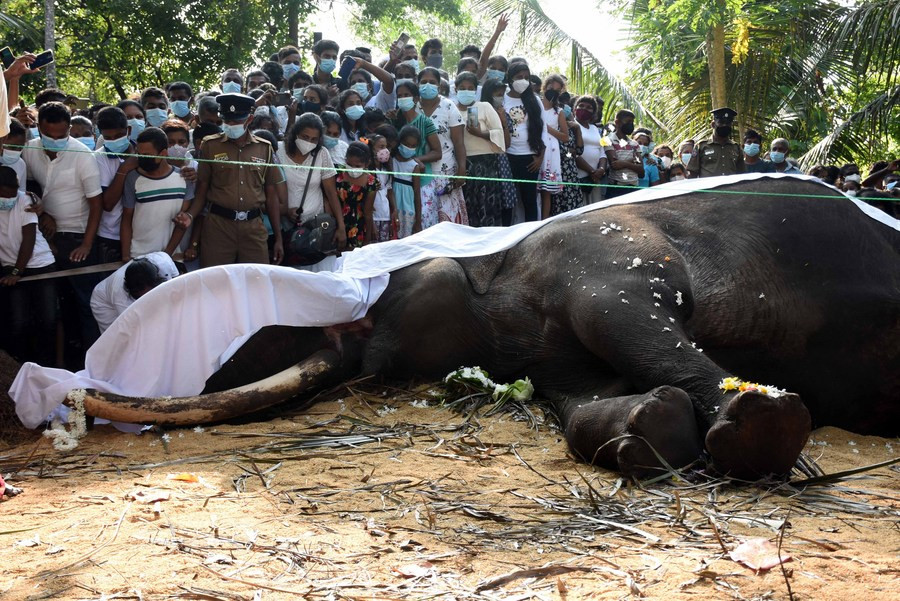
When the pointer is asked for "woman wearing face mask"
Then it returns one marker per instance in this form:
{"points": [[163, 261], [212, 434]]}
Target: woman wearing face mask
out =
{"points": [[450, 127], [313, 188], [485, 141], [427, 152], [332, 142], [312, 99], [592, 162], [493, 92], [526, 129], [350, 108], [664, 157], [558, 190], [676, 172], [137, 120]]}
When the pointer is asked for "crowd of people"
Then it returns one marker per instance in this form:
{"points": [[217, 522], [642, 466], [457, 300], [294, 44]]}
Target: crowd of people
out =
{"points": [[385, 148]]}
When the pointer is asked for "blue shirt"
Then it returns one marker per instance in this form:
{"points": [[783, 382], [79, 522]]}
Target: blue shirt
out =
{"points": [[651, 173]]}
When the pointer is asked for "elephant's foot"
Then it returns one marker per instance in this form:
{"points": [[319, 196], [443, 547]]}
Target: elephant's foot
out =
{"points": [[756, 435], [662, 419]]}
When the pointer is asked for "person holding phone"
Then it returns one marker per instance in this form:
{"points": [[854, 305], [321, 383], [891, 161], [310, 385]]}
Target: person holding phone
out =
{"points": [[325, 54], [9, 87]]}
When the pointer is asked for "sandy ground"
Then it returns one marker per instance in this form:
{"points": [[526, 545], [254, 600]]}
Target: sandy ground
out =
{"points": [[414, 502]]}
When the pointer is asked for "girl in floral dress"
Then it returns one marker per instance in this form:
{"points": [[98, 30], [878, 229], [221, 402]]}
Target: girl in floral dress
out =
{"points": [[356, 191]]}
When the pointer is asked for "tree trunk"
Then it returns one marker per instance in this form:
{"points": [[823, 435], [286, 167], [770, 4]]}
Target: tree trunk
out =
{"points": [[293, 22], [715, 57], [50, 39]]}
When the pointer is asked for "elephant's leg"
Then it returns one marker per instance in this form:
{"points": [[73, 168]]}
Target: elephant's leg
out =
{"points": [[748, 434], [618, 432]]}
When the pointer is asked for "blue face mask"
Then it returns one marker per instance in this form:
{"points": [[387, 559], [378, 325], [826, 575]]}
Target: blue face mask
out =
{"points": [[10, 156], [327, 65], [8, 204], [466, 97], [406, 104], [297, 93], [354, 112], [751, 150], [156, 117], [428, 91], [568, 111], [891, 185], [234, 131], [33, 133], [88, 141], [289, 69], [329, 142], [137, 126], [231, 87], [54, 145], [180, 108], [414, 63], [777, 157], [362, 89], [117, 146], [496, 74], [406, 152]]}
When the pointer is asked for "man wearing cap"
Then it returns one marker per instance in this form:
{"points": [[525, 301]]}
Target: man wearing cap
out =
{"points": [[237, 183], [718, 155]]}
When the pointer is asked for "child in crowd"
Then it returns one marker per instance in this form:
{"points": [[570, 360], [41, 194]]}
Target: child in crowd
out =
{"points": [[82, 130], [356, 191], [12, 150], [407, 187], [152, 195], [337, 148], [29, 308], [385, 215]]}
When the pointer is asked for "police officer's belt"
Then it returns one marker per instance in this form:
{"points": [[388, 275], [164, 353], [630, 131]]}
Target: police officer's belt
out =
{"points": [[234, 215]]}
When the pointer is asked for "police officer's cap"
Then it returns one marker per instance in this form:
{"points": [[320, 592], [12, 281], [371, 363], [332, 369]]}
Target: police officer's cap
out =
{"points": [[724, 114], [235, 107]]}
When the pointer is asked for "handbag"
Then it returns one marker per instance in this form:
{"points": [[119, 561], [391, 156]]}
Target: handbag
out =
{"points": [[313, 240]]}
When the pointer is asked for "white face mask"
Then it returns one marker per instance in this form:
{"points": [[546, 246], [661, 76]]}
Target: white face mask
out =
{"points": [[676, 178], [666, 162], [354, 173], [520, 85], [851, 192], [305, 147], [177, 151]]}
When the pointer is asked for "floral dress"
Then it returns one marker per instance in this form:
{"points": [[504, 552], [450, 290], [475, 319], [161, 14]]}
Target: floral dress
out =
{"points": [[570, 197], [353, 205], [452, 206]]}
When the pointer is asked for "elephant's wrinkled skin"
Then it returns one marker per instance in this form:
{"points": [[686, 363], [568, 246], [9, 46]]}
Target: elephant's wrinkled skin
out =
{"points": [[800, 293]]}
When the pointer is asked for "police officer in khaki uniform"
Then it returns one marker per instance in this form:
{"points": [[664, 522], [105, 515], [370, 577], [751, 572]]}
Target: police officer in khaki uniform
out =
{"points": [[719, 155], [236, 183]]}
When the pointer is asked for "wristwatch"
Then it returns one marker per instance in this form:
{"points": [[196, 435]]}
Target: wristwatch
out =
{"points": [[15, 271]]}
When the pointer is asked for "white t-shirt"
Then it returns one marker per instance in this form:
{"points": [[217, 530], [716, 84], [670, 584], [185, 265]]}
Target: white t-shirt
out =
{"points": [[110, 221], [382, 206], [296, 182], [384, 101], [110, 298], [593, 150], [517, 119], [21, 172], [67, 182], [339, 153], [11, 224]]}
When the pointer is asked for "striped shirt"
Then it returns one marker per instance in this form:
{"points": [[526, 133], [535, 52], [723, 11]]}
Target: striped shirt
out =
{"points": [[155, 201]]}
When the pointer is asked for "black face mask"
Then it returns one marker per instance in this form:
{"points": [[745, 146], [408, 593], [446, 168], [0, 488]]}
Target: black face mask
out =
{"points": [[723, 131], [148, 164], [309, 106], [551, 95], [628, 128]]}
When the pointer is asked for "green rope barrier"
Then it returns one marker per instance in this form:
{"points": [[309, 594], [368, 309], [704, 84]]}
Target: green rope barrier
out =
{"points": [[430, 175]]}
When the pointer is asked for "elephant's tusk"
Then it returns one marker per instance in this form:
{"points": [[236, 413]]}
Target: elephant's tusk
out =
{"points": [[215, 406]]}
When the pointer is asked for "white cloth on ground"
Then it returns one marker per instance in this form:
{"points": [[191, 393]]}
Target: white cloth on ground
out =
{"points": [[211, 311]]}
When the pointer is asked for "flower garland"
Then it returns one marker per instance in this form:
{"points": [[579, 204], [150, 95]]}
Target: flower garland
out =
{"points": [[67, 440], [731, 384]]}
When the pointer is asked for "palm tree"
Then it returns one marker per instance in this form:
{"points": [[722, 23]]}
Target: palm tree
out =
{"points": [[820, 72]]}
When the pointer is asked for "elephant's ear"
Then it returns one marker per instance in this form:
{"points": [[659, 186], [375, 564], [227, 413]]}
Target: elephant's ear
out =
{"points": [[481, 271]]}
